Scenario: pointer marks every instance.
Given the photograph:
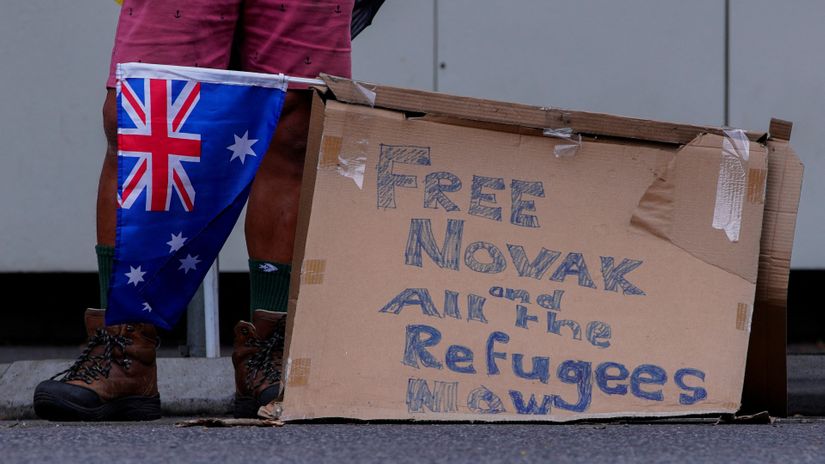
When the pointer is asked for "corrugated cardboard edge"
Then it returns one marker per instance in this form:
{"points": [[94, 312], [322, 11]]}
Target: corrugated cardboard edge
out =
{"points": [[727, 408], [766, 385], [316, 130], [419, 101]]}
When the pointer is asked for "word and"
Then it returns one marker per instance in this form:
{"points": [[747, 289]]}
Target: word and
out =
{"points": [[596, 332]]}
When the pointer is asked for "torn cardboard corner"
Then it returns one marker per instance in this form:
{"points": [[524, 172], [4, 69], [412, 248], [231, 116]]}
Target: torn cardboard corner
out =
{"points": [[730, 173], [470, 276]]}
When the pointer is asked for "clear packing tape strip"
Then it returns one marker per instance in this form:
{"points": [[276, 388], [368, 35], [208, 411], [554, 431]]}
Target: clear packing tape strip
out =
{"points": [[564, 150], [732, 183], [354, 168]]}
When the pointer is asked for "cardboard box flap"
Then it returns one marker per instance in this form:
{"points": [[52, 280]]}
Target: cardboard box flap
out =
{"points": [[419, 101], [735, 176], [784, 187], [766, 373]]}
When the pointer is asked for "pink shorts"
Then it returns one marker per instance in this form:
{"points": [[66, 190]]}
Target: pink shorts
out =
{"points": [[296, 37]]}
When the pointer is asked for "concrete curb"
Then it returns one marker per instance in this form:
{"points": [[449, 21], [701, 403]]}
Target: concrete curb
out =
{"points": [[200, 386], [188, 386]]}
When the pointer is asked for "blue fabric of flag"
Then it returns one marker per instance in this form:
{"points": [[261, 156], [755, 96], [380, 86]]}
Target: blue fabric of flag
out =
{"points": [[190, 144]]}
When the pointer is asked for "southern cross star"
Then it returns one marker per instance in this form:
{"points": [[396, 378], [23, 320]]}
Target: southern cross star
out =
{"points": [[242, 147], [135, 275], [177, 242], [188, 263]]}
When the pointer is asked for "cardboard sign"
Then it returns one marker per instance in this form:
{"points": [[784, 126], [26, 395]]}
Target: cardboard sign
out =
{"points": [[458, 270]]}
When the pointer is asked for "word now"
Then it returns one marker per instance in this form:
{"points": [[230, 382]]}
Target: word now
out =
{"points": [[487, 258], [612, 378]]}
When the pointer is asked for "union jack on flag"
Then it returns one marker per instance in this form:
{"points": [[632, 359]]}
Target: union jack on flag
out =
{"points": [[159, 144], [189, 143]]}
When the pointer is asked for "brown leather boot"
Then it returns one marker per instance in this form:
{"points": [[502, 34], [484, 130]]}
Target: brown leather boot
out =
{"points": [[115, 378], [258, 361]]}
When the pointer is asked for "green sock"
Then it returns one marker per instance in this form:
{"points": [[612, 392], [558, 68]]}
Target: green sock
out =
{"points": [[268, 285], [105, 262]]}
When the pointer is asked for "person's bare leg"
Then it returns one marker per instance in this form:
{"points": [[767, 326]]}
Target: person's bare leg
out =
{"points": [[107, 198], [272, 211], [107, 186]]}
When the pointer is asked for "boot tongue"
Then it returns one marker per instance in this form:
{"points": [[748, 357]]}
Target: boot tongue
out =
{"points": [[94, 320], [266, 322]]}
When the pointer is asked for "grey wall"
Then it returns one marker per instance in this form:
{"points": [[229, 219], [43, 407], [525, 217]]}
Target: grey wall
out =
{"points": [[54, 59], [778, 69], [662, 59]]}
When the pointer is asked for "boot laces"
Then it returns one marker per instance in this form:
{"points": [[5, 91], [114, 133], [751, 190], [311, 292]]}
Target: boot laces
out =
{"points": [[262, 362], [90, 367]]}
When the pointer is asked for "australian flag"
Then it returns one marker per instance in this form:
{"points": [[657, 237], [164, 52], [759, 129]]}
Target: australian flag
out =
{"points": [[189, 143]]}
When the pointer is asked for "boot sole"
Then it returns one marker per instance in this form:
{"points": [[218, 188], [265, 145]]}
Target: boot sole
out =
{"points": [[245, 407], [130, 408]]}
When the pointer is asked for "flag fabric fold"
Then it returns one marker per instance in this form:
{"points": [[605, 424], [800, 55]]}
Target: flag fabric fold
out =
{"points": [[190, 141]]}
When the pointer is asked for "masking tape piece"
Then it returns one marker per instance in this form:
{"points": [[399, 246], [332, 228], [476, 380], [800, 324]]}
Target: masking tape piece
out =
{"points": [[743, 317], [313, 271], [330, 150], [732, 184], [298, 372], [353, 168], [757, 179]]}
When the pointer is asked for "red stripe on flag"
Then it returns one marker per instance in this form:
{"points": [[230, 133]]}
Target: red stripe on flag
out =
{"points": [[127, 190], [184, 195], [126, 92], [186, 106], [160, 139]]}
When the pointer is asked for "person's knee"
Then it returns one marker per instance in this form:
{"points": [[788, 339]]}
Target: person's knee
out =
{"points": [[292, 143], [285, 157], [291, 134], [110, 122]]}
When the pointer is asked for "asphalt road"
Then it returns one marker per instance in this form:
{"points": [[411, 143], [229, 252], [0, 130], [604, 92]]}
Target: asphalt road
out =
{"points": [[800, 440]]}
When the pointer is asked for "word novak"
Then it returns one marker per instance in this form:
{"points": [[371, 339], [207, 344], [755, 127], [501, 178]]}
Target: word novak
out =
{"points": [[482, 204]]}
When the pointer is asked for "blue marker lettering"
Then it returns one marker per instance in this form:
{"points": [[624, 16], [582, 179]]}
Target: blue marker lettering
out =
{"points": [[434, 190], [387, 180], [517, 189], [476, 197], [421, 237], [419, 338], [648, 374]]}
